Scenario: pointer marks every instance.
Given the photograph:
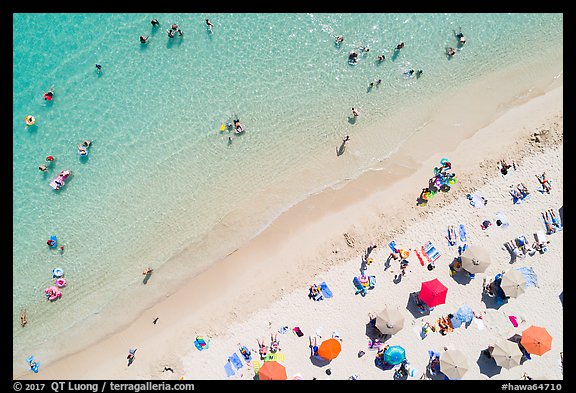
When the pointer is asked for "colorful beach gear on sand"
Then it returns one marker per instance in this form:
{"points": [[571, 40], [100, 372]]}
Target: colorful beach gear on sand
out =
{"points": [[395, 355], [200, 343]]}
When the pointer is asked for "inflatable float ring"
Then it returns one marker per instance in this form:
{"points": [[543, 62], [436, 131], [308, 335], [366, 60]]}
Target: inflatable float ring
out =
{"points": [[444, 161], [60, 283], [30, 120], [58, 272]]}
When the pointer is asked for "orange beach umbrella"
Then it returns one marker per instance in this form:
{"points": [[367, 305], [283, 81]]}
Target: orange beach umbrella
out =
{"points": [[272, 370], [329, 349], [536, 340]]}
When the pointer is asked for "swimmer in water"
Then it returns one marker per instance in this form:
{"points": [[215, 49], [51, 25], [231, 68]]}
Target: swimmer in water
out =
{"points": [[155, 22], [99, 67], [210, 25], [339, 39], [451, 52], [143, 40], [238, 126], [49, 94]]}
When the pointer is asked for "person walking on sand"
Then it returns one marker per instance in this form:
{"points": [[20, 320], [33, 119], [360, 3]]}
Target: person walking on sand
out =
{"points": [[147, 271], [355, 112], [131, 355]]}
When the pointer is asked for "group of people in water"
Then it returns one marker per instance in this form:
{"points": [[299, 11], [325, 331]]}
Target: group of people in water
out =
{"points": [[173, 30]]}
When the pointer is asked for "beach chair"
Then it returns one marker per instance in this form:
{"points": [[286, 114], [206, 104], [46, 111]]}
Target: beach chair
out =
{"points": [[430, 251], [359, 287], [325, 290], [372, 282], [451, 236]]}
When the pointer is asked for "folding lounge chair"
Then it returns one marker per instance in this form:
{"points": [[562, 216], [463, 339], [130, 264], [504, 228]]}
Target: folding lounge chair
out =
{"points": [[359, 287], [430, 252]]}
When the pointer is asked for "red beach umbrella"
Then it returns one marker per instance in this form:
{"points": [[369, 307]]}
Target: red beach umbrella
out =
{"points": [[329, 349], [536, 340], [272, 370], [433, 293]]}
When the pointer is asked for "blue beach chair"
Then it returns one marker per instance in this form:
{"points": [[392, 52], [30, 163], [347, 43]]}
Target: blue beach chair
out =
{"points": [[325, 290]]}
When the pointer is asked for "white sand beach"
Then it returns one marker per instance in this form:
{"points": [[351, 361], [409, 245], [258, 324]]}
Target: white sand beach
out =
{"points": [[264, 285]]}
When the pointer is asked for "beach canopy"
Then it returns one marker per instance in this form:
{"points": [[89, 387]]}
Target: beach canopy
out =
{"points": [[389, 321], [453, 364], [506, 353], [465, 314], [329, 349], [395, 355], [536, 340], [272, 370], [475, 259], [513, 283], [433, 293]]}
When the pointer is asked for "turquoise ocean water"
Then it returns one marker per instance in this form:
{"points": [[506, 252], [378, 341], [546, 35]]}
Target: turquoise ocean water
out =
{"points": [[161, 177]]}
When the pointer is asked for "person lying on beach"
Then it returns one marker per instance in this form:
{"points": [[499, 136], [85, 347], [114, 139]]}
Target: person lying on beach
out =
{"points": [[550, 228], [516, 194], [504, 167], [274, 343], [523, 189], [514, 249], [263, 349], [544, 182], [554, 219]]}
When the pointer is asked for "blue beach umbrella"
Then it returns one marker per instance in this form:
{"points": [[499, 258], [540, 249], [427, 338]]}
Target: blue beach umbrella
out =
{"points": [[465, 314], [395, 355]]}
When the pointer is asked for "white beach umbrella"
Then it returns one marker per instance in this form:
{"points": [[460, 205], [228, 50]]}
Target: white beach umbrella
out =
{"points": [[513, 283], [507, 354]]}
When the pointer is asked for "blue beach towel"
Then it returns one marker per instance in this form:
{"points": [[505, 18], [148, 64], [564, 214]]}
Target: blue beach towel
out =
{"points": [[392, 246], [529, 276], [325, 290], [235, 360], [229, 370], [462, 230]]}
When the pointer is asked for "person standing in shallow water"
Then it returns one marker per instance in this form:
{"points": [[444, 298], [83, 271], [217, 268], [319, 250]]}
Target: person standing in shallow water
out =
{"points": [[210, 26]]}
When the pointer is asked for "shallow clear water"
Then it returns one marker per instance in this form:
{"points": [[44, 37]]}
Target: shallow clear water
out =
{"points": [[161, 176]]}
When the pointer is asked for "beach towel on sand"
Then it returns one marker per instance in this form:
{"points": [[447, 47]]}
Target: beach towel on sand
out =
{"points": [[235, 360], [229, 370], [462, 230]]}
